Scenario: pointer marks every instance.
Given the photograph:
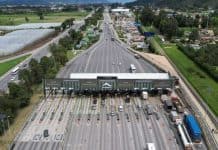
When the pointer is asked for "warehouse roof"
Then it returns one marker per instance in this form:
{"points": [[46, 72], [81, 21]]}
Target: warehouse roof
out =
{"points": [[154, 76]]}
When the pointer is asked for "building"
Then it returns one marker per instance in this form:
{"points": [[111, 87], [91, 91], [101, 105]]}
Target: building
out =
{"points": [[120, 10]]}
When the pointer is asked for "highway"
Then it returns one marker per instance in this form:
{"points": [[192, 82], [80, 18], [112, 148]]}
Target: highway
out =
{"points": [[106, 56], [81, 129], [72, 124], [38, 54]]}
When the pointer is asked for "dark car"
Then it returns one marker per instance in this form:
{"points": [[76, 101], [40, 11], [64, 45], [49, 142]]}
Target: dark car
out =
{"points": [[45, 133]]}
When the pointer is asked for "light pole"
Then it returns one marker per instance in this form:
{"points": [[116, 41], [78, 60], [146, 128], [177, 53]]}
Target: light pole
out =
{"points": [[8, 124], [3, 126]]}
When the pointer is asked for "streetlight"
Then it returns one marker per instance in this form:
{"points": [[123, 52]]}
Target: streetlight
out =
{"points": [[8, 123], [3, 126]]}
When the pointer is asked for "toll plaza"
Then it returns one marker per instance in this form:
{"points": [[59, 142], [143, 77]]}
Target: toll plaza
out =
{"points": [[111, 82]]}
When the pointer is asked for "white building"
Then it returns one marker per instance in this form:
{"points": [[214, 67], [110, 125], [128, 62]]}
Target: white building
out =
{"points": [[120, 10]]}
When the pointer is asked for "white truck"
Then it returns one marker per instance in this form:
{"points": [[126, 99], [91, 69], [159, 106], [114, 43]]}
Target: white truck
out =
{"points": [[150, 146], [144, 95]]}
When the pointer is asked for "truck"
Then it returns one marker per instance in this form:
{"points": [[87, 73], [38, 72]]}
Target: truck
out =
{"points": [[178, 106], [193, 128], [184, 137], [136, 56], [150, 146], [144, 95], [127, 100], [132, 68], [149, 109], [164, 98]]}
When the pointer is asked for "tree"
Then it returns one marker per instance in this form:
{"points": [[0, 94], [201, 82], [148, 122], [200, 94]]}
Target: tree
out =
{"points": [[36, 71], [27, 19], [25, 76], [41, 16], [169, 27], [19, 93], [59, 53], [46, 63], [147, 16], [194, 35]]}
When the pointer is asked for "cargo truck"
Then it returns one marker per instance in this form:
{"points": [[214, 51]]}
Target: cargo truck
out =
{"points": [[184, 137], [193, 128], [144, 95], [150, 146]]}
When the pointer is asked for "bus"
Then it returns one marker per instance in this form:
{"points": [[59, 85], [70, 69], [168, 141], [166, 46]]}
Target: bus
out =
{"points": [[132, 68], [15, 70]]}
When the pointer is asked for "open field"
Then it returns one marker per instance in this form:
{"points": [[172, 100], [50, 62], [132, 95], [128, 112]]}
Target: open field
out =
{"points": [[204, 84], [16, 19], [5, 66]]}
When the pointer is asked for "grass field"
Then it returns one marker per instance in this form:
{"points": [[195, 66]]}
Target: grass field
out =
{"points": [[16, 19], [6, 66], [204, 85]]}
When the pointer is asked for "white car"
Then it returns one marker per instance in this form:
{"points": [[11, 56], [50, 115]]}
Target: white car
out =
{"points": [[13, 78]]}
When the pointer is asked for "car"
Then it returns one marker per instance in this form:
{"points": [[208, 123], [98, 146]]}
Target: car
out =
{"points": [[45, 133], [108, 116], [112, 114], [89, 116], [98, 116], [93, 107], [118, 118], [13, 78], [120, 108]]}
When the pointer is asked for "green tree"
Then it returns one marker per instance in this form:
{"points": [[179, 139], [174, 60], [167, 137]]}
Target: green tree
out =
{"points": [[169, 27], [147, 16], [46, 63], [20, 94], [36, 71], [41, 16], [27, 19], [194, 35], [25, 76]]}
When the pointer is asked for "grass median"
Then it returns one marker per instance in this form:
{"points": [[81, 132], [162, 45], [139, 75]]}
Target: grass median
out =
{"points": [[6, 66]]}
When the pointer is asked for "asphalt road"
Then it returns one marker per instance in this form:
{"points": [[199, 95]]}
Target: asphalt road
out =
{"points": [[106, 56], [36, 54], [76, 131]]}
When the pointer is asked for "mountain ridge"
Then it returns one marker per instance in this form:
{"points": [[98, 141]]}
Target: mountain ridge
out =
{"points": [[47, 2]]}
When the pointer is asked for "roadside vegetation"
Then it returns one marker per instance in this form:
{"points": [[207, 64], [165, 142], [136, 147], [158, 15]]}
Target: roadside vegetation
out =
{"points": [[39, 17], [6, 66]]}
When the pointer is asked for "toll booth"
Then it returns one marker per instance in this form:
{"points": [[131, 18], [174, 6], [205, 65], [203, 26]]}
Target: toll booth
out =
{"points": [[111, 82]]}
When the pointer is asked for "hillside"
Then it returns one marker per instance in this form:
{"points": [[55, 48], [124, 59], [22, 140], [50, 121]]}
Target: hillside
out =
{"points": [[177, 3]]}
